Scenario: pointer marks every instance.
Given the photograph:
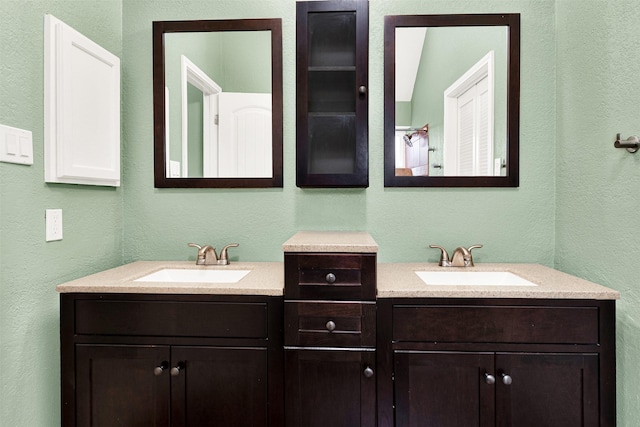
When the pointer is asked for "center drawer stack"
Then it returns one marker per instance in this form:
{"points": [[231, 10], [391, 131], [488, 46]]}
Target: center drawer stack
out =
{"points": [[330, 329], [330, 300]]}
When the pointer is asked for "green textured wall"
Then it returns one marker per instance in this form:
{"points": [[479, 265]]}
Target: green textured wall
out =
{"points": [[597, 185], [514, 224], [29, 267], [595, 98]]}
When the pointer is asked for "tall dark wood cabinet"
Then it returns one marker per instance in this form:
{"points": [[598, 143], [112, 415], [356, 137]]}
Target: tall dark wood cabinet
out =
{"points": [[496, 362], [171, 360], [332, 93], [330, 339]]}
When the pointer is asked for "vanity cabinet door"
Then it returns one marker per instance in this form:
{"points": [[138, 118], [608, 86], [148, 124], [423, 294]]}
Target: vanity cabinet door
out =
{"points": [[119, 385], [330, 387], [332, 79], [227, 386], [444, 389], [551, 362], [547, 390], [495, 389]]}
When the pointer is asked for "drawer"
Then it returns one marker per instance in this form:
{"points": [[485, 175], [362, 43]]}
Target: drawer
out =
{"points": [[171, 318], [496, 324], [330, 276], [330, 324]]}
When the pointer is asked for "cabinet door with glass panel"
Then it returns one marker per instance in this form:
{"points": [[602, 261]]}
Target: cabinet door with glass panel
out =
{"points": [[332, 78]]}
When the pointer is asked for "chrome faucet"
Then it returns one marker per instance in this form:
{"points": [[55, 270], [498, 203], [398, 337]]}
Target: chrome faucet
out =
{"points": [[461, 256], [207, 254]]}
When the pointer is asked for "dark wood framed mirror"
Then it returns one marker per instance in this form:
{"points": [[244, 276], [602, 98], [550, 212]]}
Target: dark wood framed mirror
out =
{"points": [[451, 100], [217, 103]]}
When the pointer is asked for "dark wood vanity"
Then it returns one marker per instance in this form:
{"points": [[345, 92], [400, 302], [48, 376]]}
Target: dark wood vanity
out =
{"points": [[496, 362], [330, 339], [334, 339], [171, 360], [183, 360]]}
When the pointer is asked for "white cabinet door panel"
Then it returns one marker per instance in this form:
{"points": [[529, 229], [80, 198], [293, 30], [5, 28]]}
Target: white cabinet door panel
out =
{"points": [[82, 109]]}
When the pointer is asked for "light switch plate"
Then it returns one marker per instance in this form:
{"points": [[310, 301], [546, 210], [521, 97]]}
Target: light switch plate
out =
{"points": [[53, 221], [16, 145]]}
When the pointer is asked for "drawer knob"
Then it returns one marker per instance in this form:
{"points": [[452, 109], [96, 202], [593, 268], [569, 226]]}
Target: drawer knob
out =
{"points": [[158, 370], [506, 379], [330, 278], [175, 371], [331, 326], [489, 379], [368, 372]]}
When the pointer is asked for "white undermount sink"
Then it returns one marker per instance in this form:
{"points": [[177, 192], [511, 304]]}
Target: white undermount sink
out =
{"points": [[472, 278], [177, 275]]}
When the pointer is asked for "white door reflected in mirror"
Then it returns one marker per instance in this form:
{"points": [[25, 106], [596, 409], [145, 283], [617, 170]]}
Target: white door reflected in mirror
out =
{"points": [[224, 134]]}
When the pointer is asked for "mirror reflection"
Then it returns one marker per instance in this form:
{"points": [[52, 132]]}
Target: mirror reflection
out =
{"points": [[447, 120], [218, 103], [451, 101]]}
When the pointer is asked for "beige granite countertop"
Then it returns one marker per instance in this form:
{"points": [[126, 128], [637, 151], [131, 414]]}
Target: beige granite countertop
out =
{"points": [[399, 280], [265, 278], [331, 241], [395, 280]]}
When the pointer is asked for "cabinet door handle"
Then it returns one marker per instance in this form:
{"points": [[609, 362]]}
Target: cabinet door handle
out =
{"points": [[489, 379], [175, 371], [330, 278], [158, 370], [506, 379], [331, 325], [362, 90], [368, 372]]}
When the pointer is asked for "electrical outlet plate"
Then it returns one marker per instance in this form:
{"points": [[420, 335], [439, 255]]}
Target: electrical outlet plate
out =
{"points": [[53, 221]]}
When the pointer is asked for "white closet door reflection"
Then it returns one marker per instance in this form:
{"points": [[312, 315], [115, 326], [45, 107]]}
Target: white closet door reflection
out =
{"points": [[245, 135]]}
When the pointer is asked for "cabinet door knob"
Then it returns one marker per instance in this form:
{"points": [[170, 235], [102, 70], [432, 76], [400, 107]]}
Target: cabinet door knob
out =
{"points": [[489, 379], [175, 371], [331, 325], [362, 90], [368, 372], [330, 278], [158, 370], [506, 379]]}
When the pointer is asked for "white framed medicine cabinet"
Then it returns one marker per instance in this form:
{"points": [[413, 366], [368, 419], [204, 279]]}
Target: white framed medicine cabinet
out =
{"points": [[82, 109]]}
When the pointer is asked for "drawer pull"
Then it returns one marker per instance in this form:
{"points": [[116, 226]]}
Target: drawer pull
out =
{"points": [[331, 325], [368, 372], [330, 278], [506, 379], [158, 370], [489, 379], [175, 371]]}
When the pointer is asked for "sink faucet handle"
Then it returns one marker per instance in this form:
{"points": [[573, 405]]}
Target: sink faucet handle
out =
{"points": [[444, 256], [195, 245], [224, 256], [474, 247], [470, 260], [202, 250], [206, 254]]}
